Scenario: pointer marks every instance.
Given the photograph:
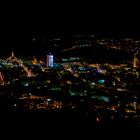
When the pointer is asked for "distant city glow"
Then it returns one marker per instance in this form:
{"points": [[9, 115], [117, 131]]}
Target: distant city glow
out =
{"points": [[85, 76]]}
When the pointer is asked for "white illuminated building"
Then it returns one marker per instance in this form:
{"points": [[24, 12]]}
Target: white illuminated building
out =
{"points": [[50, 60]]}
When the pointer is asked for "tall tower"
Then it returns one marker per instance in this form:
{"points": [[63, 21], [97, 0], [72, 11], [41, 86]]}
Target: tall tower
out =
{"points": [[50, 60], [1, 78], [34, 61], [13, 55], [135, 62]]}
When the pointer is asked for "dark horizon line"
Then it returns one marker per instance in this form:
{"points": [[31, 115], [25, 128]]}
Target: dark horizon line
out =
{"points": [[101, 32]]}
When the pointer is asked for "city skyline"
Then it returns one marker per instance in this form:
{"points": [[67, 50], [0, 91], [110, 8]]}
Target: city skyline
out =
{"points": [[119, 47]]}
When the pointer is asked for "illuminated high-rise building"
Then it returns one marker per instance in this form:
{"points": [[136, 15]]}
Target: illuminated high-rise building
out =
{"points": [[50, 60], [135, 62]]}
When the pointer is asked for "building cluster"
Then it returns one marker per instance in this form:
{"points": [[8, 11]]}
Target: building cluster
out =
{"points": [[103, 91], [13, 62], [109, 90], [49, 61]]}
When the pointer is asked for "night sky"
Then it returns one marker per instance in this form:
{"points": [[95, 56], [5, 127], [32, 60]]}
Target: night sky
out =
{"points": [[22, 42], [20, 25]]}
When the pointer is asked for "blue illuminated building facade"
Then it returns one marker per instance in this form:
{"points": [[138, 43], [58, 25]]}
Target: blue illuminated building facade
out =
{"points": [[50, 60]]}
